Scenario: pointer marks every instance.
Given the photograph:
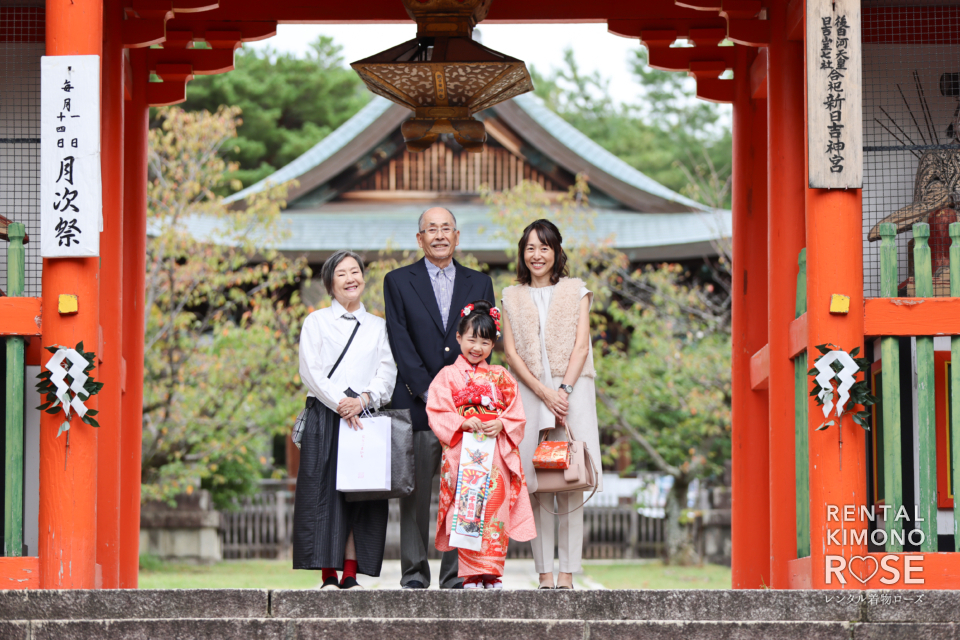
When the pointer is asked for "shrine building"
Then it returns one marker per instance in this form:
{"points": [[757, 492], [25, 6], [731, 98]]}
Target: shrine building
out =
{"points": [[361, 188], [846, 244]]}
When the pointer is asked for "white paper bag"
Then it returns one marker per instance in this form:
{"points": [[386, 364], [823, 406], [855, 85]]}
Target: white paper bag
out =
{"points": [[363, 457]]}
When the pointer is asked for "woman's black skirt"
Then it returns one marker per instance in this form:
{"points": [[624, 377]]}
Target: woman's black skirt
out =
{"points": [[322, 518]]}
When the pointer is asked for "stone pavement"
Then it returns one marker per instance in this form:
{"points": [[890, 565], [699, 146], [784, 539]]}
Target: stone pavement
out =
{"points": [[524, 614], [517, 574]]}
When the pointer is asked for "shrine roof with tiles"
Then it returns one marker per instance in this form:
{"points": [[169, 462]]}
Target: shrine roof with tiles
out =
{"points": [[359, 187]]}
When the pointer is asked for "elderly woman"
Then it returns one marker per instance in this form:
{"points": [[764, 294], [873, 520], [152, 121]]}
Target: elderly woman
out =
{"points": [[546, 339], [347, 366]]}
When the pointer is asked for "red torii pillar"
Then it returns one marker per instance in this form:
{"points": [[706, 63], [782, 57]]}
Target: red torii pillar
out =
{"points": [[90, 510], [68, 488], [111, 297], [134, 265], [834, 230], [786, 195], [751, 498]]}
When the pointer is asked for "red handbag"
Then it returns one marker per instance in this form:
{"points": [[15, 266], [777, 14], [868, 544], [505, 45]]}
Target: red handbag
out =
{"points": [[578, 474], [552, 455]]}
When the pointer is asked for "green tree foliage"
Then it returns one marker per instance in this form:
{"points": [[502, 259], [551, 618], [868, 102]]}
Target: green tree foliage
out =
{"points": [[670, 136], [223, 319], [663, 380], [289, 104]]}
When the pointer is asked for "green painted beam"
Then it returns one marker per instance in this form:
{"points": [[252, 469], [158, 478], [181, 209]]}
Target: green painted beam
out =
{"points": [[801, 283], [801, 422], [926, 397], [890, 396], [802, 433], [13, 481], [954, 428]]}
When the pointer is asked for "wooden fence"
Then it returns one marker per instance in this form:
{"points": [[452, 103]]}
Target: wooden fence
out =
{"points": [[262, 527], [888, 444], [12, 433]]}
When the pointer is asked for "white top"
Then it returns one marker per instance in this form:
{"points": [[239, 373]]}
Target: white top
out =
{"points": [[582, 415], [542, 296], [368, 366]]}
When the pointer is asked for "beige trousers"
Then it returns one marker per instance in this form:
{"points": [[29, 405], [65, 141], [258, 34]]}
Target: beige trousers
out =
{"points": [[569, 542]]}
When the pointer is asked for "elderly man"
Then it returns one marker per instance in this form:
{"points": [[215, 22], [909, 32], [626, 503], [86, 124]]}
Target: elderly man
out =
{"points": [[423, 303]]}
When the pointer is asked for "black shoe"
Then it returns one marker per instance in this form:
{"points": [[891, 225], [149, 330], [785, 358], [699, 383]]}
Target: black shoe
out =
{"points": [[414, 584], [459, 585], [330, 583], [350, 583]]}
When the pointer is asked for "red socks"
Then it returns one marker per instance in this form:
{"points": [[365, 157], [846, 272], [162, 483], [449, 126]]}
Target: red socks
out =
{"points": [[349, 569]]}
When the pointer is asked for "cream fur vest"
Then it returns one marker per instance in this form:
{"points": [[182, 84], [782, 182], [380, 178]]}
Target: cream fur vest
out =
{"points": [[561, 331]]}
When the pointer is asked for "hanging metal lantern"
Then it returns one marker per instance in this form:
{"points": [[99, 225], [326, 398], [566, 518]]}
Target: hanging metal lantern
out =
{"points": [[443, 75]]}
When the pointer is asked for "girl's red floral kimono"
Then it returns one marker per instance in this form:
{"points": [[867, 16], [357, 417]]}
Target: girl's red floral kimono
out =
{"points": [[461, 391]]}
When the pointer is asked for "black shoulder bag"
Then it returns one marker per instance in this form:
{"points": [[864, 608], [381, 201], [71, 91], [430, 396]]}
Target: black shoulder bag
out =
{"points": [[302, 418]]}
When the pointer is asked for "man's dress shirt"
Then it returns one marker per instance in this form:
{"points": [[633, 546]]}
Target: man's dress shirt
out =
{"points": [[442, 281]]}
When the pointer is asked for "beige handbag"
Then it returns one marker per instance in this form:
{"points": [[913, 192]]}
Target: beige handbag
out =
{"points": [[580, 474]]}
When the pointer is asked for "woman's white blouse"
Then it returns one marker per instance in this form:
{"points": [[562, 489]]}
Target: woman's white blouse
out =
{"points": [[368, 366]]}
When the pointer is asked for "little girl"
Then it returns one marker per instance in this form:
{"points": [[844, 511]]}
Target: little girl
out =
{"points": [[475, 411]]}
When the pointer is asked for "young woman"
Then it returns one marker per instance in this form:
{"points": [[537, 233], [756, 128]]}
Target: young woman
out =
{"points": [[472, 396], [347, 366], [547, 345]]}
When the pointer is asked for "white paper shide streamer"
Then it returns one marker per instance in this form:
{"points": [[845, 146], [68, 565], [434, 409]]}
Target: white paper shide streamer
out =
{"points": [[826, 376], [68, 394]]}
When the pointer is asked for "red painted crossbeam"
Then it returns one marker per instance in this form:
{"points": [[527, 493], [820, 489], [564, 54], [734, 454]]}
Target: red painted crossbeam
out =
{"points": [[20, 573], [380, 11], [798, 336], [20, 316], [911, 316], [760, 369], [681, 58], [201, 61]]}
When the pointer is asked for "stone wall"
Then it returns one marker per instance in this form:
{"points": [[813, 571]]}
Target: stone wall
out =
{"points": [[187, 532], [714, 542]]}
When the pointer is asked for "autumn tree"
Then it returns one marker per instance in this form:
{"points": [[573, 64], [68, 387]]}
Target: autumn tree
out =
{"points": [[663, 381], [222, 318]]}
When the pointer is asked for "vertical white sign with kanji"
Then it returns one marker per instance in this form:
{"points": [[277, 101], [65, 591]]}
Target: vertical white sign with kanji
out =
{"points": [[70, 189], [834, 94]]}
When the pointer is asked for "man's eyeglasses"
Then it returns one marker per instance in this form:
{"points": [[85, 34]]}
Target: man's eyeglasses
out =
{"points": [[432, 231]]}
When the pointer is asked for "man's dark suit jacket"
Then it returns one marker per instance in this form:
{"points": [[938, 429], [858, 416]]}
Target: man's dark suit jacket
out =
{"points": [[420, 345]]}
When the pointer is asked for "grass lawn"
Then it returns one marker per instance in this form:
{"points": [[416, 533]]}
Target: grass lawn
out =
{"points": [[277, 574], [653, 574], [246, 574]]}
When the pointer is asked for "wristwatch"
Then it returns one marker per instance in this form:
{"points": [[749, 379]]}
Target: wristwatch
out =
{"points": [[566, 387]]}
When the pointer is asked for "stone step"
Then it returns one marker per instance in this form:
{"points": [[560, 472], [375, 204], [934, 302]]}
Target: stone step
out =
{"points": [[454, 628], [508, 605]]}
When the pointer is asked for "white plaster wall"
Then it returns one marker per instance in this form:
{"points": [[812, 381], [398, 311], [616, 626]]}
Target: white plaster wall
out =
{"points": [[197, 545]]}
